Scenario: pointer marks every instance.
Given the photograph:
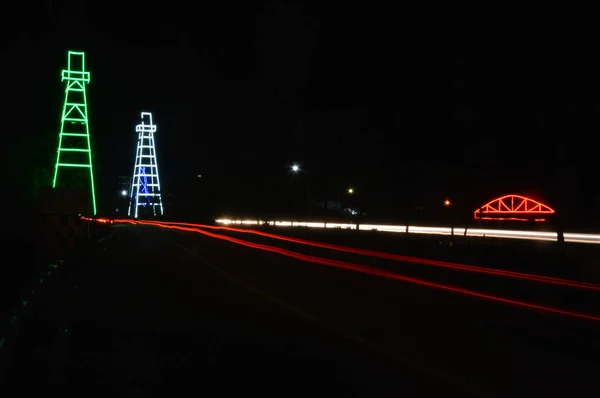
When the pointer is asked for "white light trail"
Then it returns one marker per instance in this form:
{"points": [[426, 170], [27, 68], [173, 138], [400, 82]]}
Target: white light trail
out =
{"points": [[545, 236]]}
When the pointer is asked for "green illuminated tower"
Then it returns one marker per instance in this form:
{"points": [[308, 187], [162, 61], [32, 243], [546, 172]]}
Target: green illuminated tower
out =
{"points": [[74, 158]]}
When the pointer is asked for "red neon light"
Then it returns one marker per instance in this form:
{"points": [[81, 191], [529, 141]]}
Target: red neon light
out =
{"points": [[509, 206]]}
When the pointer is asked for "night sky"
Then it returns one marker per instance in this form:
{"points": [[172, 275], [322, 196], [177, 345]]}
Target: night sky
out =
{"points": [[406, 109]]}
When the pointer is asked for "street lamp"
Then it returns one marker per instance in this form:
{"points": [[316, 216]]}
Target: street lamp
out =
{"points": [[295, 168], [124, 193], [350, 191], [447, 203]]}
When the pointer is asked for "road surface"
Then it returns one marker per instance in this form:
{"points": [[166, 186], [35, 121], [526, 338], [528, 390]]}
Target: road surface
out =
{"points": [[157, 312]]}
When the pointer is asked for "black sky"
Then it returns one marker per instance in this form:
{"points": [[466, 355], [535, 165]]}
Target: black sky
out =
{"points": [[397, 104]]}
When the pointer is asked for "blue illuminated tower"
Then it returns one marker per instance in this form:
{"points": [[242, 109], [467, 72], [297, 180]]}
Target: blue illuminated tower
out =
{"points": [[145, 186]]}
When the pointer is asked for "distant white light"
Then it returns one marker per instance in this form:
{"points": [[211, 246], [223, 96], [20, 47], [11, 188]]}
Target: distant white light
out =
{"points": [[124, 192], [295, 168]]}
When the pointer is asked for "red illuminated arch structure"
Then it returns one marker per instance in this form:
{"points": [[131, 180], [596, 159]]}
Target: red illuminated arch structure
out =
{"points": [[514, 208]]}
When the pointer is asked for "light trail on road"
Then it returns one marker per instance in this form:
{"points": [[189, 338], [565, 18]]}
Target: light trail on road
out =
{"points": [[376, 272], [401, 258]]}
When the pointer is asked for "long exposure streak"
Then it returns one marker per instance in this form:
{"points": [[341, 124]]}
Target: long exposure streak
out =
{"points": [[375, 272], [407, 259]]}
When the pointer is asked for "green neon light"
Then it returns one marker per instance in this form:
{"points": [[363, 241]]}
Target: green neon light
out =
{"points": [[74, 149], [73, 165]]}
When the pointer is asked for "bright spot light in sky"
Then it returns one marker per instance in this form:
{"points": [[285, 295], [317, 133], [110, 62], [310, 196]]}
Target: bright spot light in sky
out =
{"points": [[295, 168]]}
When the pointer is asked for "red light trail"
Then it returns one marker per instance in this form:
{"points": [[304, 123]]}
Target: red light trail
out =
{"points": [[376, 272], [401, 258]]}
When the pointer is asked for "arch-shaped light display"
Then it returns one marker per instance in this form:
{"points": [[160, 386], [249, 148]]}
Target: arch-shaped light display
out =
{"points": [[513, 207]]}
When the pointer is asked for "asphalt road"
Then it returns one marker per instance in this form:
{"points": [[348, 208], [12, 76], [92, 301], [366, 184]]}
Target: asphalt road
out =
{"points": [[156, 312]]}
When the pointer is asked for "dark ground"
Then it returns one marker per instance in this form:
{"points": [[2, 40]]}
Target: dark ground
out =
{"points": [[23, 261], [18, 267], [171, 312]]}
